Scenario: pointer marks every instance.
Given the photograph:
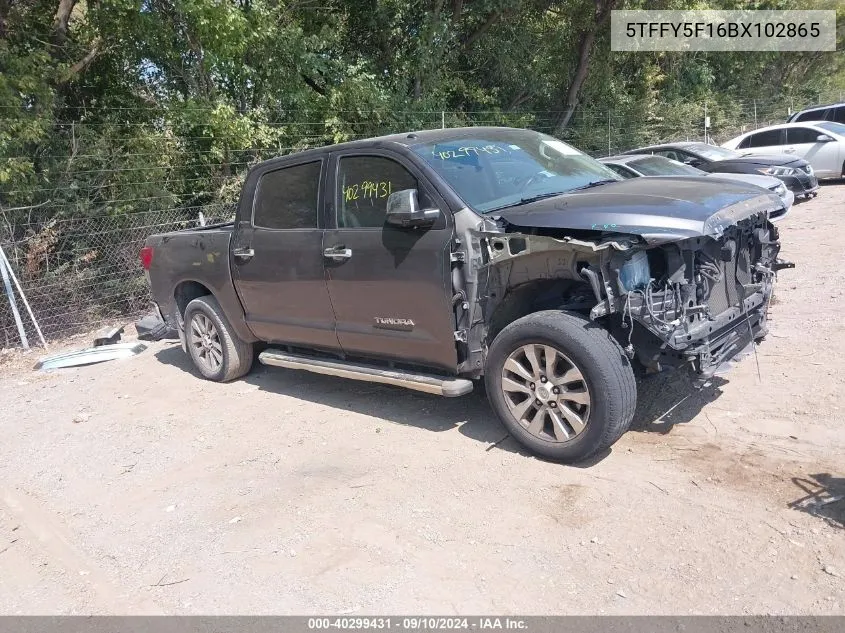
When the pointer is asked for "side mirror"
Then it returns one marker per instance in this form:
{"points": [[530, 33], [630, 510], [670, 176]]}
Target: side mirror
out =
{"points": [[692, 162], [823, 138], [403, 209]]}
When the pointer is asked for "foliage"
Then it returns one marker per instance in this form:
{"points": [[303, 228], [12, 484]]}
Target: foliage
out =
{"points": [[110, 108]]}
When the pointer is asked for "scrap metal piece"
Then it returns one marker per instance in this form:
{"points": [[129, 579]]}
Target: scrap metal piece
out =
{"points": [[109, 337], [90, 356]]}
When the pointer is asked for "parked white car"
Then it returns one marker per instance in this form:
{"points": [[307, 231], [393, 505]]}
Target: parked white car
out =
{"points": [[820, 143]]}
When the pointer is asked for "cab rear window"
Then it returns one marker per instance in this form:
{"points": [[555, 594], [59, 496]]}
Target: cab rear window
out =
{"points": [[287, 198]]}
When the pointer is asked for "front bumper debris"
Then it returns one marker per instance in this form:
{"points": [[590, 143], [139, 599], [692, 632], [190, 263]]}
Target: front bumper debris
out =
{"points": [[712, 357]]}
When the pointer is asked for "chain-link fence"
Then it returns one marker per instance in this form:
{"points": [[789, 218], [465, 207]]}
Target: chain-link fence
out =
{"points": [[81, 272], [74, 244]]}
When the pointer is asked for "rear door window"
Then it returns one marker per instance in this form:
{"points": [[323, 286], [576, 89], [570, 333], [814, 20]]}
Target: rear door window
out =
{"points": [[837, 114], [287, 198], [765, 139]]}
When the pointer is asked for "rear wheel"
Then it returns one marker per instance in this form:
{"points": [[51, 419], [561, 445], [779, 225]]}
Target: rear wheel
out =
{"points": [[561, 385], [212, 344]]}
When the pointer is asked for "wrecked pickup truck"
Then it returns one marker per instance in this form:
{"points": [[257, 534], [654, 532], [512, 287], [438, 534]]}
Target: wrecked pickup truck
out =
{"points": [[438, 258]]}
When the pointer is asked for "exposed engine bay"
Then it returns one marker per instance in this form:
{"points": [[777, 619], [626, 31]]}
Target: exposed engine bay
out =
{"points": [[695, 302]]}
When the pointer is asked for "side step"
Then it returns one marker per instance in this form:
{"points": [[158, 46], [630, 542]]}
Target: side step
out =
{"points": [[448, 387]]}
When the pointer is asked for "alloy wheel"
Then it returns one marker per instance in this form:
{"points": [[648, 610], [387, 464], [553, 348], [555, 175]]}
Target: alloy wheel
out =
{"points": [[206, 342], [546, 393]]}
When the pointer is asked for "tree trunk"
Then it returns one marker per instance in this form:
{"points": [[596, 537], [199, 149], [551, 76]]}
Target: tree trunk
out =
{"points": [[481, 30], [62, 20], [457, 9], [4, 17], [425, 56], [581, 70], [83, 63], [585, 49]]}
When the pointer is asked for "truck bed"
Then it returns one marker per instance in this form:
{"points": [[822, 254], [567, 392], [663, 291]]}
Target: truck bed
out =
{"points": [[187, 259]]}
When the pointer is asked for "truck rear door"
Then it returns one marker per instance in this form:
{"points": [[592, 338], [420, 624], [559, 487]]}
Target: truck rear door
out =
{"points": [[390, 287], [277, 255]]}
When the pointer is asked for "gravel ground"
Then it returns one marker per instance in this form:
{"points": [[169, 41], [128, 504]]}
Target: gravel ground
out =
{"points": [[135, 487]]}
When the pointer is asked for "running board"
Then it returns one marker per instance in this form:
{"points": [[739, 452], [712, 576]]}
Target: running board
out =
{"points": [[448, 387]]}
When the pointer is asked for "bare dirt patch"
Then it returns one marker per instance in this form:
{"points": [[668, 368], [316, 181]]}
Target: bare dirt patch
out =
{"points": [[287, 492]]}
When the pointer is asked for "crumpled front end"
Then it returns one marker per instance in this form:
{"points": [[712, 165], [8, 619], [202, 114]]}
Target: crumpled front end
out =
{"points": [[691, 293], [697, 302]]}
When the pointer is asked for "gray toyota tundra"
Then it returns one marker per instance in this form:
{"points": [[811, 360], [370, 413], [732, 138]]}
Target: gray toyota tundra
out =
{"points": [[435, 259]]}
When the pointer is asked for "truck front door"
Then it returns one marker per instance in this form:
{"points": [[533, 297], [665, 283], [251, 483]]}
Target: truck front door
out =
{"points": [[390, 288], [277, 256]]}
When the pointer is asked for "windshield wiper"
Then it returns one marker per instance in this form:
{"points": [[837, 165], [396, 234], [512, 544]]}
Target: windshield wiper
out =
{"points": [[528, 200], [595, 183]]}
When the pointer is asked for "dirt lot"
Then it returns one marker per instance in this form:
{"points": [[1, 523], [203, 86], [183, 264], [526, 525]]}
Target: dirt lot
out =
{"points": [[135, 487]]}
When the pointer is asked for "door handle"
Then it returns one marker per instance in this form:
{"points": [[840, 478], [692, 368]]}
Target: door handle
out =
{"points": [[243, 253], [789, 150], [337, 253]]}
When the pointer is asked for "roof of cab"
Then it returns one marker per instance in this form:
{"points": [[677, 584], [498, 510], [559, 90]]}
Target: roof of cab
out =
{"points": [[407, 139]]}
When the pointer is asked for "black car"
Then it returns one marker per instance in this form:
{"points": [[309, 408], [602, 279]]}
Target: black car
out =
{"points": [[796, 173]]}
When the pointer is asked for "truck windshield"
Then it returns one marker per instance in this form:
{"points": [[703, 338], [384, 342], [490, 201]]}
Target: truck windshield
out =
{"points": [[492, 170]]}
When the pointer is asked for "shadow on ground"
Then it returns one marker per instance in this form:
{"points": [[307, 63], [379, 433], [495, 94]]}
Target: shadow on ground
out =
{"points": [[824, 497], [663, 401], [667, 399]]}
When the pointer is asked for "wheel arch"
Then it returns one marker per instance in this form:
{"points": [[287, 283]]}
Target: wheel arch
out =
{"points": [[186, 291], [538, 295], [210, 340], [190, 288]]}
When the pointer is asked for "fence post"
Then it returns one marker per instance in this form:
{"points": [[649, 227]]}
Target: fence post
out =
{"points": [[12, 303], [7, 270], [443, 119], [608, 131], [755, 114]]}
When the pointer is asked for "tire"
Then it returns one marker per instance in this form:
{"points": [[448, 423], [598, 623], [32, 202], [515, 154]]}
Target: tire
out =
{"points": [[221, 356], [594, 378]]}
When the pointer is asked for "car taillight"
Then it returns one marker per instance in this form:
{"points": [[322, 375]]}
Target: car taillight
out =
{"points": [[146, 257]]}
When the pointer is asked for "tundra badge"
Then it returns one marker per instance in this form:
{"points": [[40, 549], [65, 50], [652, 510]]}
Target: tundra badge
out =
{"points": [[393, 323]]}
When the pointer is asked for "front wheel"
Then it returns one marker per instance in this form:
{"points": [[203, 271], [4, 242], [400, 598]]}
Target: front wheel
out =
{"points": [[213, 345], [561, 385]]}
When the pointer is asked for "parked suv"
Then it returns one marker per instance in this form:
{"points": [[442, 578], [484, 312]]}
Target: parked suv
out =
{"points": [[435, 259], [834, 112]]}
